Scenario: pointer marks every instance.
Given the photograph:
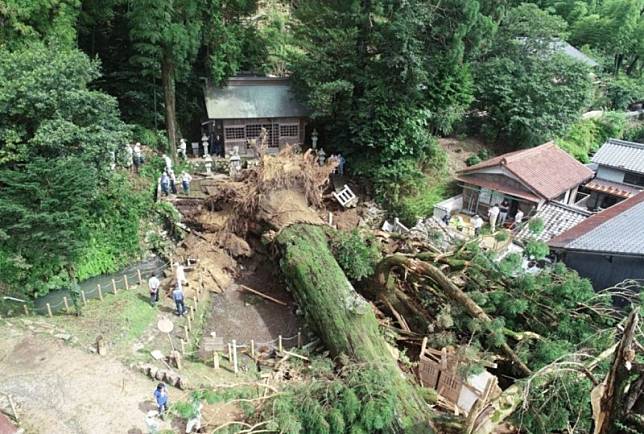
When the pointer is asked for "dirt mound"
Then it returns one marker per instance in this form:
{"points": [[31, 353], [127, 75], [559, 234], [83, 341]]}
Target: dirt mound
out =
{"points": [[214, 268], [234, 245]]}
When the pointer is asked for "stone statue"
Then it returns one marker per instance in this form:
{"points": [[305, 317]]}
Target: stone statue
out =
{"points": [[314, 139], [208, 164], [204, 143], [235, 162]]}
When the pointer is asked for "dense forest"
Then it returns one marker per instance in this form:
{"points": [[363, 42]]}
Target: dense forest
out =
{"points": [[384, 79]]}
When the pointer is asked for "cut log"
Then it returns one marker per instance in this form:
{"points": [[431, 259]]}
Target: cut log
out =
{"points": [[267, 297], [342, 318]]}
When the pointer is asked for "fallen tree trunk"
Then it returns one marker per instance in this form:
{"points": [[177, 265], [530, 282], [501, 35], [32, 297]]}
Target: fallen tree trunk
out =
{"points": [[342, 318]]}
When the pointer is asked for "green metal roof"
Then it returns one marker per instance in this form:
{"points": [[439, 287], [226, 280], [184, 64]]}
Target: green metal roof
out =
{"points": [[253, 97]]}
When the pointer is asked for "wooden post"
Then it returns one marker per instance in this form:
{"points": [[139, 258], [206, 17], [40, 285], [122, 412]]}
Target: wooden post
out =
{"points": [[235, 356], [279, 343], [183, 347], [83, 297], [138, 273], [185, 329], [189, 323], [127, 286], [66, 304], [114, 286], [26, 309], [230, 353], [192, 313], [299, 338], [100, 291], [13, 408], [215, 359], [49, 310], [252, 348]]}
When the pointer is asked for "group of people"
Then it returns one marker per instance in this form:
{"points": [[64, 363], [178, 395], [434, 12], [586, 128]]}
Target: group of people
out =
{"points": [[178, 296], [168, 181], [133, 156], [497, 215]]}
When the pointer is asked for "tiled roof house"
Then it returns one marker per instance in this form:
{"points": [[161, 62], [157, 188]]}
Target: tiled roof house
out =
{"points": [[528, 179], [607, 247]]}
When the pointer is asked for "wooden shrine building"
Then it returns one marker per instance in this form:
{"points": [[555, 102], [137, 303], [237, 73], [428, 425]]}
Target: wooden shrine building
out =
{"points": [[239, 110]]}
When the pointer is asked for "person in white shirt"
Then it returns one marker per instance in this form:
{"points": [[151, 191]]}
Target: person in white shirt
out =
{"points": [[477, 224], [168, 163], [185, 181], [518, 218], [182, 149], [180, 275], [153, 284], [493, 214]]}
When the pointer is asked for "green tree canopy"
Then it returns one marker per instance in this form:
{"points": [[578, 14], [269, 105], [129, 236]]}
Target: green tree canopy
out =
{"points": [[380, 76], [528, 92], [56, 137]]}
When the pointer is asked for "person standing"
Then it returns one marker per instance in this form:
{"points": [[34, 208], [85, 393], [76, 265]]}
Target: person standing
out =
{"points": [[219, 146], [341, 163], [168, 163], [477, 224], [137, 156], [518, 219], [153, 284], [178, 297], [173, 182], [129, 156], [161, 397], [185, 182], [503, 212], [165, 183], [493, 214], [182, 149], [195, 418], [180, 275]]}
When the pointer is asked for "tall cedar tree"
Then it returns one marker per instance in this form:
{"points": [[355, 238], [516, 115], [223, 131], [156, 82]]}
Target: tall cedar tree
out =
{"points": [[381, 75], [167, 36]]}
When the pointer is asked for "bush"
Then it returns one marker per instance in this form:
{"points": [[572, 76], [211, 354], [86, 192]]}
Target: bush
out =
{"points": [[472, 160], [536, 249], [155, 139], [623, 90], [420, 205], [536, 225], [635, 133], [586, 136], [356, 254]]}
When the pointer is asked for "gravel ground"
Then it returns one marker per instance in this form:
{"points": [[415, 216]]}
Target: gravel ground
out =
{"points": [[65, 390]]}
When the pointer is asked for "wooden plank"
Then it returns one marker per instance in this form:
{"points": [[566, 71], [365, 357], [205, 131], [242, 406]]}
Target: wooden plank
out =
{"points": [[267, 297]]}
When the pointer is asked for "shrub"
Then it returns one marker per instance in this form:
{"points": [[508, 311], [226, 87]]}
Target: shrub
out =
{"points": [[536, 225], [420, 205], [536, 249], [472, 160], [623, 90], [155, 139], [356, 254]]}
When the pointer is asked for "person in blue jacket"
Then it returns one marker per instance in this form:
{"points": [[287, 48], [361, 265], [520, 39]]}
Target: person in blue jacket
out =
{"points": [[161, 397]]}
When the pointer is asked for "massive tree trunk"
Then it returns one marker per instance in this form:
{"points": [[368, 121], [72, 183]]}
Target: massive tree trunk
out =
{"points": [[167, 77], [343, 320]]}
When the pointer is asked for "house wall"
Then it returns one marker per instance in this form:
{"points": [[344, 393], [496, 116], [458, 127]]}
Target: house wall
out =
{"points": [[610, 174], [237, 132], [605, 271]]}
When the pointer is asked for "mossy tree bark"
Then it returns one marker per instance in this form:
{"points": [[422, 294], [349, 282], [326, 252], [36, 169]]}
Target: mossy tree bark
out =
{"points": [[343, 320]]}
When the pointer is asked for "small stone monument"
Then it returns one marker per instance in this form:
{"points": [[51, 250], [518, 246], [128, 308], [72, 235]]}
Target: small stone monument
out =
{"points": [[208, 163], [321, 157], [314, 139], [235, 162], [204, 143]]}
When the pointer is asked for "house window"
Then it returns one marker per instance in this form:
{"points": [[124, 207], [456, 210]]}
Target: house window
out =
{"points": [[634, 179], [252, 131], [490, 197], [289, 131], [234, 133]]}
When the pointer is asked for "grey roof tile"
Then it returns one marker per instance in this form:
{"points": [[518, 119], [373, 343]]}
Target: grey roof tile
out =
{"points": [[621, 155], [623, 233], [252, 98], [557, 218]]}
